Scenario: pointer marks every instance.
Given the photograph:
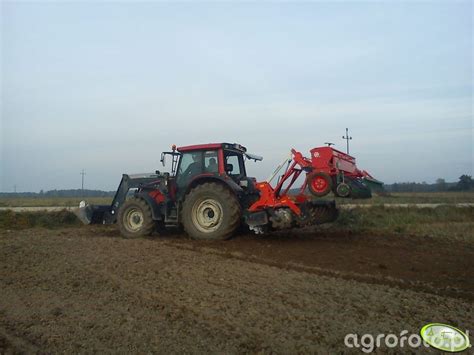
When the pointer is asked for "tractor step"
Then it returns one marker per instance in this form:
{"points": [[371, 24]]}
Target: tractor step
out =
{"points": [[171, 218]]}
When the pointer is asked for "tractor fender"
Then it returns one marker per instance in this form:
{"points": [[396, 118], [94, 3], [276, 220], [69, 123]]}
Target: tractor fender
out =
{"points": [[155, 207], [231, 184]]}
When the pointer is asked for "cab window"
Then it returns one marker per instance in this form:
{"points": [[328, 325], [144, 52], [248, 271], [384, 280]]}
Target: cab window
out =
{"points": [[234, 164], [190, 165], [210, 162]]}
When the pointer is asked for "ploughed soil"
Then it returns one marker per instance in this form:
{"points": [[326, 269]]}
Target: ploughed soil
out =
{"points": [[89, 290]]}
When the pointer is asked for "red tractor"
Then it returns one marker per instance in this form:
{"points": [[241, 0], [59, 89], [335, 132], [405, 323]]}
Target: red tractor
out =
{"points": [[209, 193]]}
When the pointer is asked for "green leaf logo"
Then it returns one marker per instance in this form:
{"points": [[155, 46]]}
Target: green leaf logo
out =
{"points": [[445, 337]]}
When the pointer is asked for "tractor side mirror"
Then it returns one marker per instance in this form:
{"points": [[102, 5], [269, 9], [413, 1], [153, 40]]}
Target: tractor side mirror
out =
{"points": [[163, 159], [229, 168]]}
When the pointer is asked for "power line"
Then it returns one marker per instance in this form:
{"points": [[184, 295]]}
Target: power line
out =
{"points": [[83, 173], [347, 138]]}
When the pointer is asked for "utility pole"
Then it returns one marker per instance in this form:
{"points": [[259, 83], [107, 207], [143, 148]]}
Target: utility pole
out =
{"points": [[82, 186], [14, 188], [347, 138]]}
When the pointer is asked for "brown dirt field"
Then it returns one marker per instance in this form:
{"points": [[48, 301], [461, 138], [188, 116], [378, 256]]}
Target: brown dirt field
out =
{"points": [[88, 290]]}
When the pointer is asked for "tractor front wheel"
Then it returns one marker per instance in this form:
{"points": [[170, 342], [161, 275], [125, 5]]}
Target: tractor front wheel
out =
{"points": [[211, 211], [135, 218]]}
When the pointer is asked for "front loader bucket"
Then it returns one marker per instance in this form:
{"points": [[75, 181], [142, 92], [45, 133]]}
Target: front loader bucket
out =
{"points": [[91, 214]]}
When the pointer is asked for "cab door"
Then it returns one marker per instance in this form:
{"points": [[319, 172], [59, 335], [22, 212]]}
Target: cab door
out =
{"points": [[234, 165], [190, 165]]}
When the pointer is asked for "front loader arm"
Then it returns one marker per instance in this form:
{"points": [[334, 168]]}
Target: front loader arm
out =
{"points": [[107, 214]]}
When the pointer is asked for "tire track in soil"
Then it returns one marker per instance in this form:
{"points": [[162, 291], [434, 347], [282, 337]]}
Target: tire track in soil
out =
{"points": [[176, 310], [367, 278], [111, 285], [15, 344], [147, 295]]}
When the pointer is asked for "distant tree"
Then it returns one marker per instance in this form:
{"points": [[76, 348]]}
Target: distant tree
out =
{"points": [[465, 183], [441, 184]]}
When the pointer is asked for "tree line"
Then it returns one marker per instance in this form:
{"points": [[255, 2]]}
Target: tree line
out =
{"points": [[465, 183]]}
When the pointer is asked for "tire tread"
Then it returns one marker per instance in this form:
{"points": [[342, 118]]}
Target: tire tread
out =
{"points": [[148, 223], [228, 199]]}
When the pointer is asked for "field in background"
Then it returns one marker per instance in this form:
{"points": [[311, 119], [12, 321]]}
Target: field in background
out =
{"points": [[443, 221], [395, 198], [416, 197], [51, 201], [447, 222]]}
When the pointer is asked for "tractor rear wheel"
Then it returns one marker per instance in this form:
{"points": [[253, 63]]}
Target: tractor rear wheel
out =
{"points": [[135, 218], [319, 183], [211, 211]]}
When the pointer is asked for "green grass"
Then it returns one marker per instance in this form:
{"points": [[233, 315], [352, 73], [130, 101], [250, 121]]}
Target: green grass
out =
{"points": [[52, 201], [446, 222], [442, 221], [23, 220], [415, 197]]}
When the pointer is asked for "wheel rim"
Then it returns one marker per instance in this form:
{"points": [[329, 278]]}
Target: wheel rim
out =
{"points": [[343, 190], [319, 184], [134, 220], [207, 215]]}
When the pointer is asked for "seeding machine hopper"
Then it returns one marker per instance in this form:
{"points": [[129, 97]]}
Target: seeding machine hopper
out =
{"points": [[336, 171], [209, 193]]}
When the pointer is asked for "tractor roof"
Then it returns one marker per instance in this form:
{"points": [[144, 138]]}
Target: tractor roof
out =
{"points": [[212, 146]]}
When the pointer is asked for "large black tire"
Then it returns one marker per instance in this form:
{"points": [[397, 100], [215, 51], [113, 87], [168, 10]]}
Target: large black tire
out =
{"points": [[135, 218], [211, 212]]}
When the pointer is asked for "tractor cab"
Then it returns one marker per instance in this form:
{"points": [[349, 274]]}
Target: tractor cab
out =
{"points": [[195, 163]]}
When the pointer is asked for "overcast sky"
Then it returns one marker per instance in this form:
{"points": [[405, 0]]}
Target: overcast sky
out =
{"points": [[107, 87]]}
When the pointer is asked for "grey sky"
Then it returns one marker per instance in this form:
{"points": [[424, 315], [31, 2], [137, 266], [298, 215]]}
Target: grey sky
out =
{"points": [[106, 87]]}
